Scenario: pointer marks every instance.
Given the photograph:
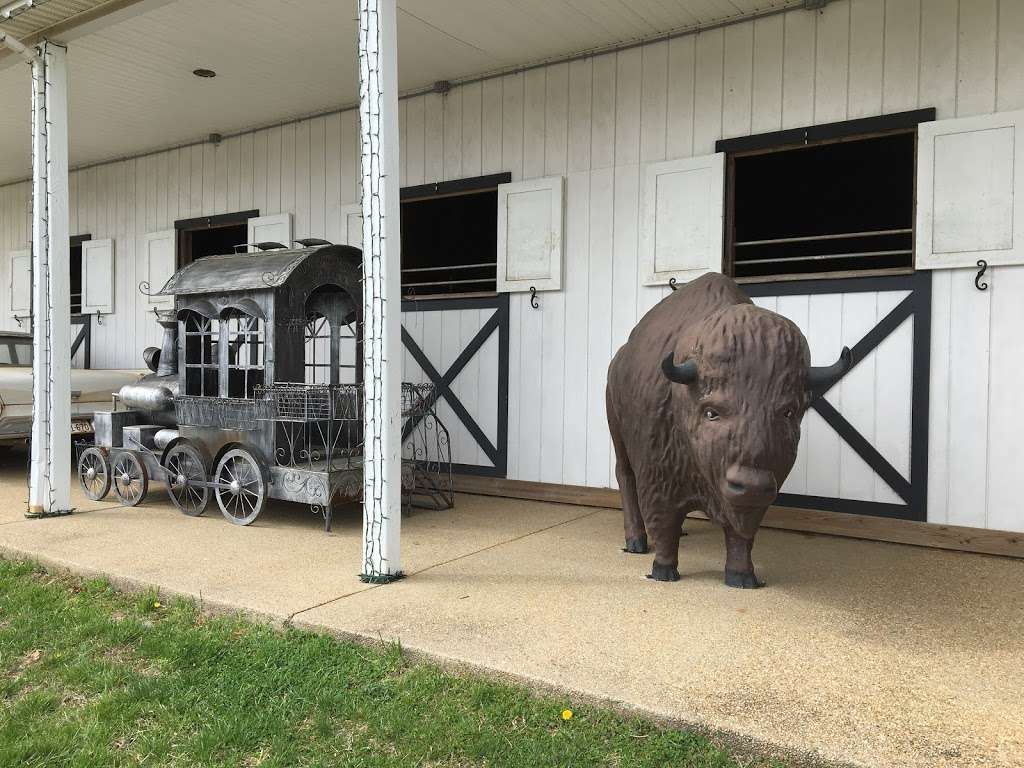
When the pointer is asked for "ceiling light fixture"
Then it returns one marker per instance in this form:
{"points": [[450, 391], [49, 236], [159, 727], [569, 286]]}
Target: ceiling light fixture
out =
{"points": [[204, 73]]}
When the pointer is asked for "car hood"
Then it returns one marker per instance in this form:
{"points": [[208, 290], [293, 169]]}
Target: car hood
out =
{"points": [[95, 385]]}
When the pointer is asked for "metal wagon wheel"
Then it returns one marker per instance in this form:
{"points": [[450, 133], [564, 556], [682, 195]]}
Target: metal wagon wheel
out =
{"points": [[185, 474], [241, 489], [94, 473], [130, 479]]}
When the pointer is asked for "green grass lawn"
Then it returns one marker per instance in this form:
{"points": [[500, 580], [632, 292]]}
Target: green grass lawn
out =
{"points": [[93, 677]]}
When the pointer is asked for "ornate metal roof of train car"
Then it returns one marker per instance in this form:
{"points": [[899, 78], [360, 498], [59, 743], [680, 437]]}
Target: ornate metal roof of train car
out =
{"points": [[241, 271]]}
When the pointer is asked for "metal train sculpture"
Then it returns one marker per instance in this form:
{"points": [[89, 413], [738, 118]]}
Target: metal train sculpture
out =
{"points": [[246, 400]]}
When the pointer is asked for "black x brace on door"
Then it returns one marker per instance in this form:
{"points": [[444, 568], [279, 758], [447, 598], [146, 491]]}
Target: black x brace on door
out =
{"points": [[913, 491], [498, 322]]}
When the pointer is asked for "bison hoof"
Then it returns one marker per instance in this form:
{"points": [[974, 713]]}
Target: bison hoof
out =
{"points": [[742, 580], [664, 572], [637, 546]]}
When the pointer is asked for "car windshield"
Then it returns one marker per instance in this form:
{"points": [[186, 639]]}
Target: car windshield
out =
{"points": [[15, 351]]}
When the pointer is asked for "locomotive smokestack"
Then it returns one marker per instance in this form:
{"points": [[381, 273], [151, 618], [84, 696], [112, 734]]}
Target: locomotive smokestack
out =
{"points": [[168, 363]]}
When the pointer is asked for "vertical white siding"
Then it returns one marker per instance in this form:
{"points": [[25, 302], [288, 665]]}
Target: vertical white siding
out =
{"points": [[597, 121], [308, 169]]}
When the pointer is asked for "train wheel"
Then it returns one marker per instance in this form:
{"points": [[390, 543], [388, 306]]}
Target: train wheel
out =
{"points": [[185, 473], [94, 473], [241, 489], [130, 479]]}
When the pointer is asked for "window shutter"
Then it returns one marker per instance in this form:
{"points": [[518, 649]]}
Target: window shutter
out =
{"points": [[352, 225], [160, 250], [530, 219], [682, 208], [97, 276], [270, 229], [21, 283], [970, 191]]}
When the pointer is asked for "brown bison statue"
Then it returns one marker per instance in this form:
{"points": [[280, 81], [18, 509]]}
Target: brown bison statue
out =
{"points": [[704, 406]]}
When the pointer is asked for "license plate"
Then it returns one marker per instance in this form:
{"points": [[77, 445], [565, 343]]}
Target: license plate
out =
{"points": [[80, 427]]}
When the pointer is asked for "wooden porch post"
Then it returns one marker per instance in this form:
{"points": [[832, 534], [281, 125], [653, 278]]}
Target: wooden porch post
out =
{"points": [[50, 474], [382, 351]]}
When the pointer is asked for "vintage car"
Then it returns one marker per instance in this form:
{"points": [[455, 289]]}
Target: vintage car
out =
{"points": [[90, 390]]}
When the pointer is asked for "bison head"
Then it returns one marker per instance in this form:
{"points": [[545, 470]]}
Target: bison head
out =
{"points": [[748, 381]]}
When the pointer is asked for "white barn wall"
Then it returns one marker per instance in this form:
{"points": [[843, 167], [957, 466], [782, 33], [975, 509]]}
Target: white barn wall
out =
{"points": [[597, 121]]}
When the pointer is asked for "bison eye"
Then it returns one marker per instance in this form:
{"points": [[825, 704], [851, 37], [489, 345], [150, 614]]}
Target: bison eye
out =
{"points": [[788, 413], [711, 414]]}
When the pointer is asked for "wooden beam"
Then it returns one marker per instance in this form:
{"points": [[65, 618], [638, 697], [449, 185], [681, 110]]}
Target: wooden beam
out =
{"points": [[952, 537], [89, 20]]}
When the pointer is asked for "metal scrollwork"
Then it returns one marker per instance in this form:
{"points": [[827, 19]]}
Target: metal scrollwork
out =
{"points": [[144, 288], [313, 487], [533, 298], [672, 284]]}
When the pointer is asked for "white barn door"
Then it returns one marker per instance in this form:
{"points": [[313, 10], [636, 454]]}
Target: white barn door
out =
{"points": [[21, 284], [97, 277], [270, 229], [160, 250], [970, 191], [682, 218]]}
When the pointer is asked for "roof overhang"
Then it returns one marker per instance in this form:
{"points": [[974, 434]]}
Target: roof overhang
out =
{"points": [[132, 88], [32, 21]]}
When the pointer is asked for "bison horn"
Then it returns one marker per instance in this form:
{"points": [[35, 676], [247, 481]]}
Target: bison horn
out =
{"points": [[680, 374], [821, 377]]}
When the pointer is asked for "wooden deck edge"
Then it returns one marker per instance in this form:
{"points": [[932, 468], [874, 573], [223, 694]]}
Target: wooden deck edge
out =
{"points": [[979, 540]]}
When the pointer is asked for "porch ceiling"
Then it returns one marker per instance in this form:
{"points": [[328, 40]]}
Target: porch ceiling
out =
{"points": [[132, 87]]}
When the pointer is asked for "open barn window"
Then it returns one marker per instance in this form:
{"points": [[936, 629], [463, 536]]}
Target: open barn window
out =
{"points": [[450, 236], [75, 265], [211, 235], [200, 336], [830, 200], [245, 350]]}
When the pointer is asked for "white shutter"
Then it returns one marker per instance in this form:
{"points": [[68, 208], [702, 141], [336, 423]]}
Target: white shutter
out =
{"points": [[270, 229], [530, 220], [21, 283], [98, 276], [683, 204], [969, 171], [352, 225], [160, 252]]}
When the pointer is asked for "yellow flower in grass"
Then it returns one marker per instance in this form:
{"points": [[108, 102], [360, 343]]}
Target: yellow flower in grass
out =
{"points": [[567, 714], [157, 604]]}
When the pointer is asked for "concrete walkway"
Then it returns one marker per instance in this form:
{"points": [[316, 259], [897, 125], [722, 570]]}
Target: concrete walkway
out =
{"points": [[856, 652]]}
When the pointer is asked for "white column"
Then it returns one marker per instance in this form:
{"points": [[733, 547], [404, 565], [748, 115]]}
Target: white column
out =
{"points": [[382, 351], [50, 475]]}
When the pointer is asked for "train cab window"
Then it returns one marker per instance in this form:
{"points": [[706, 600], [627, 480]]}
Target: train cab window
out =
{"points": [[245, 347], [201, 336], [331, 345], [318, 350]]}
